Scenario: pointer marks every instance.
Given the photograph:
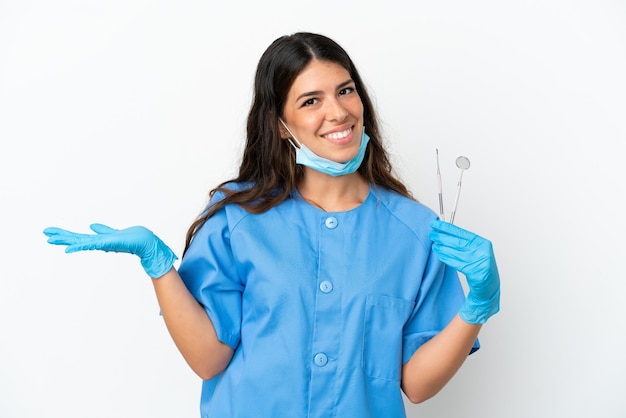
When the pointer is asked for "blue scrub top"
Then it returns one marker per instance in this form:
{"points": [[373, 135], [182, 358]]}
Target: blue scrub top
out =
{"points": [[322, 308]]}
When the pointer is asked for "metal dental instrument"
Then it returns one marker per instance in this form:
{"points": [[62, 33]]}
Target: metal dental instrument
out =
{"points": [[463, 163], [441, 215]]}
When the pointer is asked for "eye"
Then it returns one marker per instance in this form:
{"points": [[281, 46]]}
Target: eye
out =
{"points": [[309, 102], [346, 90]]}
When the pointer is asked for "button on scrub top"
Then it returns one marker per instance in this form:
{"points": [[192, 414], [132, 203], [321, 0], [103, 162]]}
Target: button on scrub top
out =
{"points": [[322, 309]]}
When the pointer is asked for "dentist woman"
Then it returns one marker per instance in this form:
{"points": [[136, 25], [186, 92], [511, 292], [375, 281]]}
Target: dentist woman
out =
{"points": [[314, 284]]}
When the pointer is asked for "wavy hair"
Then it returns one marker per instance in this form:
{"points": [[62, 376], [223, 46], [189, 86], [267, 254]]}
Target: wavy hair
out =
{"points": [[268, 163]]}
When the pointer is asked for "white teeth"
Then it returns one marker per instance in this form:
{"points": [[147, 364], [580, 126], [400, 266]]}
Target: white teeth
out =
{"points": [[339, 135]]}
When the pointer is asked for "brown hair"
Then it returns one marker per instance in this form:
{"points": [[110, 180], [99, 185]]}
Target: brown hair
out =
{"points": [[268, 164]]}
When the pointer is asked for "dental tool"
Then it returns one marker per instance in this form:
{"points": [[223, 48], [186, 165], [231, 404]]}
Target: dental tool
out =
{"points": [[441, 213], [463, 163]]}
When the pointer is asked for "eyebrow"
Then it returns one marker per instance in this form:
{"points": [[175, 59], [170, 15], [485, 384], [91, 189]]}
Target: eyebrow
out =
{"points": [[318, 92]]}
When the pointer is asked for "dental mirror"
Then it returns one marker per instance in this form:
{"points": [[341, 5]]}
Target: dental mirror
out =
{"points": [[463, 163]]}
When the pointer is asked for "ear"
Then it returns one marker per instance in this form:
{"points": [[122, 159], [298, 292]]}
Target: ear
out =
{"points": [[284, 133]]}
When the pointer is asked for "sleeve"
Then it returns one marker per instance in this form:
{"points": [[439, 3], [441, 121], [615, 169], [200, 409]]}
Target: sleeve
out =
{"points": [[208, 270], [438, 300]]}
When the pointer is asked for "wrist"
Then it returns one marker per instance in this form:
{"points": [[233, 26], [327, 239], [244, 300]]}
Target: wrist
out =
{"points": [[478, 311], [160, 261]]}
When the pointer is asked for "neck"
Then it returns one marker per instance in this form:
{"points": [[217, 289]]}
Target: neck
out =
{"points": [[333, 194]]}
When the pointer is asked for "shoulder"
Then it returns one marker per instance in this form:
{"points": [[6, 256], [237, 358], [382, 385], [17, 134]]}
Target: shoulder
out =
{"points": [[232, 211], [229, 187], [403, 207], [408, 212]]}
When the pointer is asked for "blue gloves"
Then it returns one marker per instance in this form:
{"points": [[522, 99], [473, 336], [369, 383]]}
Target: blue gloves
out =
{"points": [[473, 256], [156, 257]]}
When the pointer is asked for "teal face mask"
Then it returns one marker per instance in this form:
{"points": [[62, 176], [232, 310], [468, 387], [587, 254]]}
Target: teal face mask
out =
{"points": [[308, 158]]}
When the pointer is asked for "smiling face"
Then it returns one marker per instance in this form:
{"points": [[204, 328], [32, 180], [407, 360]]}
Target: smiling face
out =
{"points": [[323, 111]]}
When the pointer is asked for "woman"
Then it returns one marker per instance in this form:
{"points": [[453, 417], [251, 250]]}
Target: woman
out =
{"points": [[313, 285]]}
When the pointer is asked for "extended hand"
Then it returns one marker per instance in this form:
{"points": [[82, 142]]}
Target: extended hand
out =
{"points": [[156, 257], [473, 256]]}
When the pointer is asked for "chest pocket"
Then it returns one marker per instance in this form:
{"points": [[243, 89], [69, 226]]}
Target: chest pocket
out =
{"points": [[385, 317]]}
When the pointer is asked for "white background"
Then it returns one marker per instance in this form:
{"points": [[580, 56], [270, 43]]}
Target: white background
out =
{"points": [[128, 112]]}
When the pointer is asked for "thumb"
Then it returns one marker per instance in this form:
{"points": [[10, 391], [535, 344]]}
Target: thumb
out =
{"points": [[101, 229]]}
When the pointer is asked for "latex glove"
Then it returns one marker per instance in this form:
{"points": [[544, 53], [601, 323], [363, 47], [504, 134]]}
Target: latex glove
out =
{"points": [[156, 257], [473, 256]]}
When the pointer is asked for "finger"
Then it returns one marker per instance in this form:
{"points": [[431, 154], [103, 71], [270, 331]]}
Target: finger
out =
{"points": [[62, 237], [447, 240], [101, 229], [80, 247], [72, 249], [52, 231], [451, 229], [451, 256], [467, 262]]}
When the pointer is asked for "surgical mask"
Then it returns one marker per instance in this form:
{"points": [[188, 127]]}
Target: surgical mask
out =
{"points": [[306, 157]]}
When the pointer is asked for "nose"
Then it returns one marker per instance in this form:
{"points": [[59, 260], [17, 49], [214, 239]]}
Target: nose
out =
{"points": [[336, 111]]}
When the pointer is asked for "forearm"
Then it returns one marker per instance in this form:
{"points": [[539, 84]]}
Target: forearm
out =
{"points": [[433, 365], [190, 327]]}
